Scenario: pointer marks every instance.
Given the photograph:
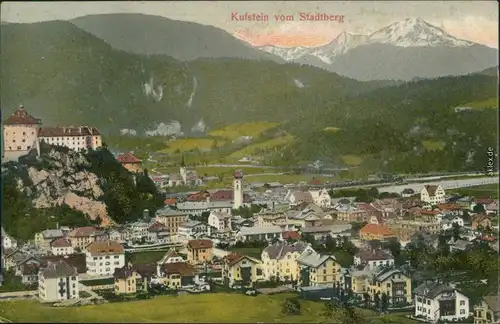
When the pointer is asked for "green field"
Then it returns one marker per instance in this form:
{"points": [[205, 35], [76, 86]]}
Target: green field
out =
{"points": [[263, 147], [351, 160], [331, 129], [146, 257], [433, 145], [188, 144], [485, 191], [215, 307], [236, 131], [488, 103], [216, 171]]}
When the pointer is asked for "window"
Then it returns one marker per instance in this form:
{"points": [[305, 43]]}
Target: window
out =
{"points": [[462, 311], [24, 140], [24, 133], [324, 278], [462, 303], [73, 278], [428, 301], [18, 147]]}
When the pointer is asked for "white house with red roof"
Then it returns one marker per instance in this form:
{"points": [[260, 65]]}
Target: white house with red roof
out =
{"points": [[61, 246]]}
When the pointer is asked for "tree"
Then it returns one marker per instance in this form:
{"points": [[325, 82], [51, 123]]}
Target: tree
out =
{"points": [[394, 246], [375, 244], [376, 300], [291, 306], [339, 315], [366, 299], [478, 209], [384, 302]]}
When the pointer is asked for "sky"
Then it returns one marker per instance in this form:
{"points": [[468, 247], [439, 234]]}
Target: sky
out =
{"points": [[476, 21]]}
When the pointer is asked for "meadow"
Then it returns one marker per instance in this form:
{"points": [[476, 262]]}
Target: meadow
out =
{"points": [[236, 131], [214, 307], [189, 144], [485, 191], [488, 103], [266, 146], [433, 145]]}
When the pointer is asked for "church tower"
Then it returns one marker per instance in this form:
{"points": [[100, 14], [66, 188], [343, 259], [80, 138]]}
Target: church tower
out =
{"points": [[238, 189], [183, 171]]}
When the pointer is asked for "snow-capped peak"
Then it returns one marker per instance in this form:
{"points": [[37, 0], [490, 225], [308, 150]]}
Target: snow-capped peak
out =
{"points": [[411, 32], [415, 32]]}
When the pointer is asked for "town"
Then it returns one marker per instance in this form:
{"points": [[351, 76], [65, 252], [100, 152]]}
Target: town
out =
{"points": [[233, 162], [417, 252]]}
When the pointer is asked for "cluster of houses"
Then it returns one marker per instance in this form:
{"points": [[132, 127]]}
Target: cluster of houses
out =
{"points": [[62, 257]]}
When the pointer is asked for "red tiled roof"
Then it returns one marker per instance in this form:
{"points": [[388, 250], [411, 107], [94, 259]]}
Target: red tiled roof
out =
{"points": [[182, 268], [84, 231], [315, 181], [199, 196], [233, 258], [170, 201], [200, 244], [227, 195], [429, 212], [61, 242], [293, 235], [157, 227], [448, 206], [483, 201], [127, 158], [21, 117], [375, 229], [67, 131]]}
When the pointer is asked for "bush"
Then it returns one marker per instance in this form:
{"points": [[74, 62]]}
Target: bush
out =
{"points": [[291, 306]]}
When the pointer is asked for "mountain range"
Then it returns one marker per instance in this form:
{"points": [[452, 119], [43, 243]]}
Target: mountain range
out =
{"points": [[66, 75], [387, 53]]}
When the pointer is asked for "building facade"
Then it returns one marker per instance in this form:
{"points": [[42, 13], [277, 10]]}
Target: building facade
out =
{"points": [[58, 281], [433, 195], [103, 257]]}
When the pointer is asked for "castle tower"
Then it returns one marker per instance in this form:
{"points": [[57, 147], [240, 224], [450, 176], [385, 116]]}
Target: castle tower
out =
{"points": [[238, 189], [183, 170], [20, 134]]}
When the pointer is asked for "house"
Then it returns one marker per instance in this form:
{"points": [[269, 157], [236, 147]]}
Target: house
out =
{"points": [[407, 192], [392, 282], [104, 257], [130, 162], [44, 238], [481, 221], [199, 251], [291, 235], [239, 222], [8, 242], [29, 273], [176, 275], [12, 258], [335, 230], [279, 260], [73, 137], [58, 281], [492, 208], [448, 221], [316, 269], [171, 257], [259, 233], [197, 208], [62, 246], [126, 280], [458, 245], [296, 198], [192, 229], [488, 310], [371, 232], [349, 212], [321, 198], [450, 209], [77, 260], [138, 231], [117, 234], [158, 233], [241, 270], [432, 194], [80, 237], [373, 258], [435, 301], [220, 221], [172, 219]]}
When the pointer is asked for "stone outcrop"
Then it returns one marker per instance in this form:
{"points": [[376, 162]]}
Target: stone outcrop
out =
{"points": [[63, 178]]}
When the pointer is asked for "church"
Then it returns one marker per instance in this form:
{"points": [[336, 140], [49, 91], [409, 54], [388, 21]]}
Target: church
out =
{"points": [[185, 177]]}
